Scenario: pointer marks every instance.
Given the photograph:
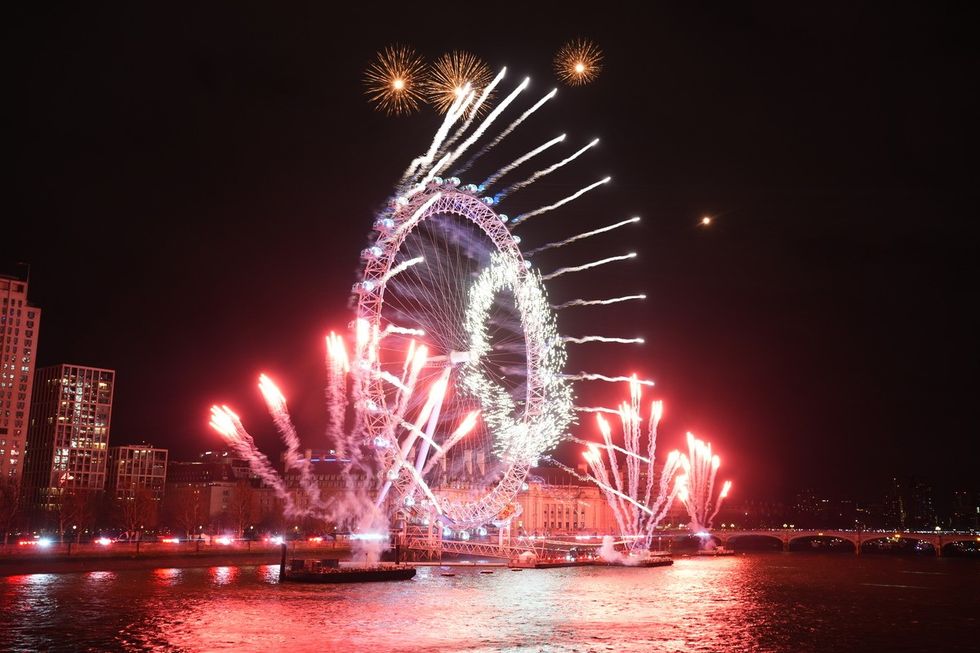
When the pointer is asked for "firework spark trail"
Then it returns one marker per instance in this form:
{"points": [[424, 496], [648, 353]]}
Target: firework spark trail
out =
{"points": [[338, 365], [489, 146], [590, 376], [721, 497], [465, 427], [656, 412], [546, 171], [585, 339], [629, 415], [517, 162], [487, 122], [598, 302], [436, 393], [551, 207], [408, 224], [606, 432], [419, 164], [403, 331], [276, 403], [588, 266], [594, 409], [401, 267], [615, 447], [476, 108], [700, 467], [393, 380], [600, 477], [587, 234], [228, 424], [610, 489]]}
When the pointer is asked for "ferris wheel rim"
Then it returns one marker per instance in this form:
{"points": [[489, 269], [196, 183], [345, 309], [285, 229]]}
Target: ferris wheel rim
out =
{"points": [[439, 200]]}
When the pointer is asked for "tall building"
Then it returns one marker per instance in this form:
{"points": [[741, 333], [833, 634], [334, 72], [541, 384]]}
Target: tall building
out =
{"points": [[19, 325], [136, 467], [68, 440]]}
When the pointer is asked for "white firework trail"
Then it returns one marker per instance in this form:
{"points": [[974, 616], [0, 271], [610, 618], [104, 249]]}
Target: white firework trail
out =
{"points": [[489, 146], [547, 171], [614, 447], [401, 267], [403, 331], [588, 266], [455, 111], [587, 234], [276, 402], [585, 339], [338, 365], [595, 409], [393, 380], [486, 123], [465, 427], [598, 302], [589, 376], [551, 207], [408, 224], [476, 107], [523, 159]]}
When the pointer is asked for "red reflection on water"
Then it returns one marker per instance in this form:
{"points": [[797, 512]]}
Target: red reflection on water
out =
{"points": [[100, 576], [223, 575], [166, 576]]}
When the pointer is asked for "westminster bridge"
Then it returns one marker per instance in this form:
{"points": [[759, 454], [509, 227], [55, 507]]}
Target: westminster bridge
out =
{"points": [[432, 544]]}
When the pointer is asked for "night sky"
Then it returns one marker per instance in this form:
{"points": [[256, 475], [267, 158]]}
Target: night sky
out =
{"points": [[192, 190]]}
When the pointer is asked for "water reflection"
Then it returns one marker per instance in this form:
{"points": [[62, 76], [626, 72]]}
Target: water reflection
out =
{"points": [[766, 602], [167, 576], [223, 575], [101, 576]]}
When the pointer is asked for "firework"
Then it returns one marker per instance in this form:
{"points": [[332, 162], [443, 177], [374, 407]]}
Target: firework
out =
{"points": [[637, 511], [547, 171], [578, 62], [599, 302], [587, 234], [394, 80], [551, 207], [588, 266], [697, 483], [449, 77]]}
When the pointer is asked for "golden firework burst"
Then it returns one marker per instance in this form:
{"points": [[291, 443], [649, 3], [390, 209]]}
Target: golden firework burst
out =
{"points": [[449, 76], [578, 62], [395, 80]]}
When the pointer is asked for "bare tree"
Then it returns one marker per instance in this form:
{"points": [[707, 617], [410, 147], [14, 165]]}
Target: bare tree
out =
{"points": [[76, 510], [136, 512], [9, 506], [241, 507], [185, 508]]}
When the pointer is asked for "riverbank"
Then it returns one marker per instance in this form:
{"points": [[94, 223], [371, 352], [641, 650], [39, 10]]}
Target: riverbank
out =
{"points": [[126, 557]]}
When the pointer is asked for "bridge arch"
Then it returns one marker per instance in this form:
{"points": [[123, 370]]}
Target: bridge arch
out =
{"points": [[822, 541], [753, 541], [904, 543]]}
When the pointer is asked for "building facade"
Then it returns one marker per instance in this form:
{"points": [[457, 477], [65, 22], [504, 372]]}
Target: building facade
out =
{"points": [[134, 468], [68, 438], [19, 326]]}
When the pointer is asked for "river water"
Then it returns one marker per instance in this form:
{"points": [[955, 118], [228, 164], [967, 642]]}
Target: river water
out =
{"points": [[753, 602]]}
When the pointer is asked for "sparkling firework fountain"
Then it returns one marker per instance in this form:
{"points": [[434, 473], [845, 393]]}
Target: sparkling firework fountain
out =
{"points": [[697, 483], [454, 384]]}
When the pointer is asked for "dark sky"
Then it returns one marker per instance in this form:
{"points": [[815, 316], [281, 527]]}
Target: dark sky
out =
{"points": [[192, 189]]}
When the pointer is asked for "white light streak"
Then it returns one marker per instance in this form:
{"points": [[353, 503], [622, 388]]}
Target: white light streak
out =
{"points": [[527, 157], [589, 376], [599, 302], [587, 234], [551, 207], [585, 339], [401, 267], [588, 266], [486, 148], [547, 171]]}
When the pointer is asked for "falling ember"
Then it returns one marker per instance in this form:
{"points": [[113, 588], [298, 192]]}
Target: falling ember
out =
{"points": [[578, 62], [449, 77], [394, 80]]}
